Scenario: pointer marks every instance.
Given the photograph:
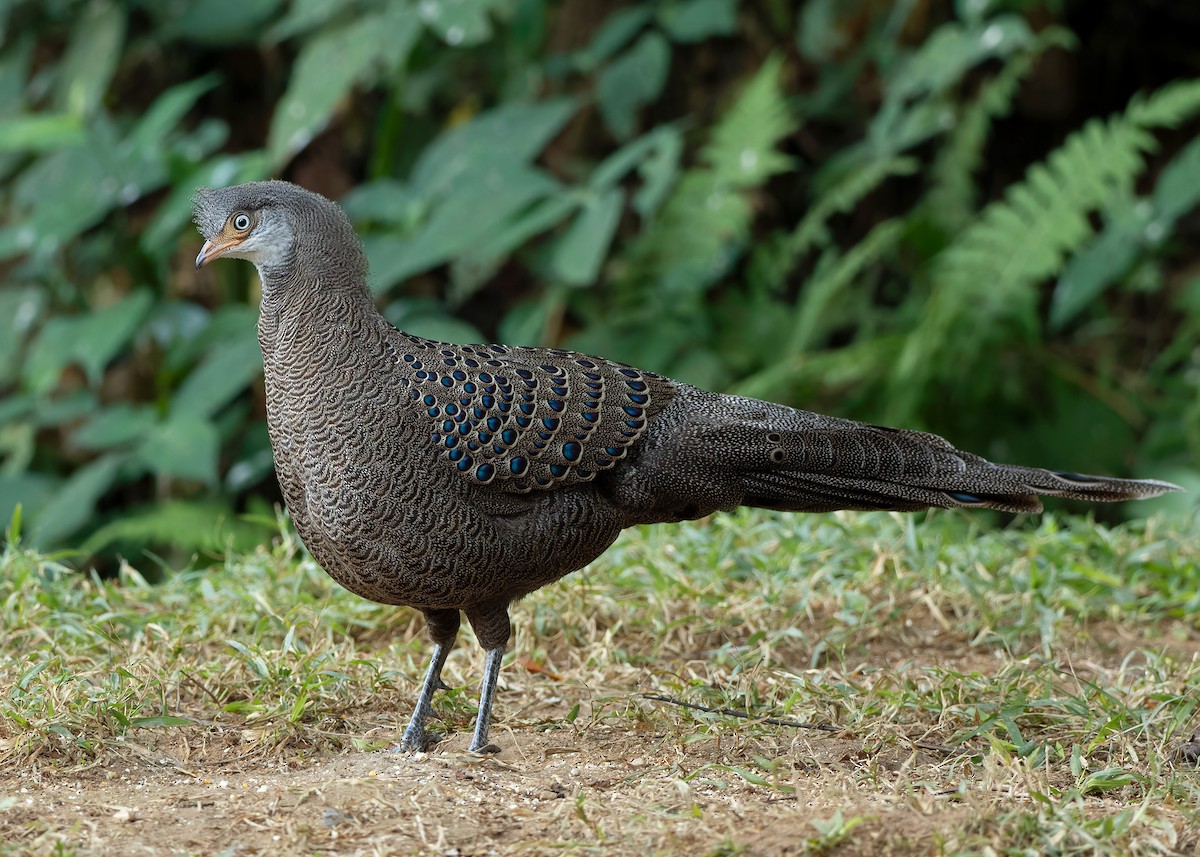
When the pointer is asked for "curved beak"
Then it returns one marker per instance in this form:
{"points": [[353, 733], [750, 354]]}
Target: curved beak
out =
{"points": [[212, 249]]}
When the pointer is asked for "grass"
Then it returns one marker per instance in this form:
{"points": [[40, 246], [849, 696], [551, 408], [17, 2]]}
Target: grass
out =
{"points": [[1007, 691]]}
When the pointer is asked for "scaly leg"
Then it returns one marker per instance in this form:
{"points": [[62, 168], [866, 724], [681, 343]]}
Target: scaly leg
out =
{"points": [[492, 629], [443, 628], [487, 693]]}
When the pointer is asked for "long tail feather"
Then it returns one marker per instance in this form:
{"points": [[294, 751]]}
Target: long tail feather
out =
{"points": [[800, 461]]}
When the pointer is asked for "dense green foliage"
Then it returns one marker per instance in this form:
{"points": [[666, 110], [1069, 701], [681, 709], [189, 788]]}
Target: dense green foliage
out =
{"points": [[869, 208]]}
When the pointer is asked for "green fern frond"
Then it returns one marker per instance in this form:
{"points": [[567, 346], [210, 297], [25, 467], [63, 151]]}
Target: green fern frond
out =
{"points": [[953, 49], [1133, 229], [833, 277], [985, 283], [814, 312], [951, 201], [1167, 107], [775, 258], [742, 150], [843, 196], [700, 228]]}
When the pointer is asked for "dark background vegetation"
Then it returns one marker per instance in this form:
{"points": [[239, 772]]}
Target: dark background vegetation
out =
{"points": [[971, 217]]}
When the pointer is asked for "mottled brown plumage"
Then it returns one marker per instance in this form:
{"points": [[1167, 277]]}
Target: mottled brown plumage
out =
{"points": [[458, 478]]}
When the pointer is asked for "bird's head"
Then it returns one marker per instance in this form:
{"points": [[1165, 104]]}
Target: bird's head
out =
{"points": [[280, 227]]}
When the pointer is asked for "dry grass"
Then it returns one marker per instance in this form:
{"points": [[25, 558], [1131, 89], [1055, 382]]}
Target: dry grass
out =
{"points": [[1021, 691]]}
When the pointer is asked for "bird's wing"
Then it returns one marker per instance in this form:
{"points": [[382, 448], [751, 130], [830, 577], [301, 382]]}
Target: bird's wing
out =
{"points": [[528, 419]]}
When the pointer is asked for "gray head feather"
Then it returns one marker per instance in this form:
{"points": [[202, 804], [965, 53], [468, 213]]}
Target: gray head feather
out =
{"points": [[298, 232], [213, 205]]}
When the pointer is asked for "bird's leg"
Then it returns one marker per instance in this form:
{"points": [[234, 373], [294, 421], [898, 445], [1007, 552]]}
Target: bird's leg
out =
{"points": [[487, 692], [492, 629], [415, 736], [443, 628]]}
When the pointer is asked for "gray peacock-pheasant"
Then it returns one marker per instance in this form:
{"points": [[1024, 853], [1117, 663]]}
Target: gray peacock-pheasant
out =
{"points": [[458, 478]]}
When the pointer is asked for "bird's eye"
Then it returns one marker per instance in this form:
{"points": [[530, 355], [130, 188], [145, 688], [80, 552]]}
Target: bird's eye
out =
{"points": [[241, 221]]}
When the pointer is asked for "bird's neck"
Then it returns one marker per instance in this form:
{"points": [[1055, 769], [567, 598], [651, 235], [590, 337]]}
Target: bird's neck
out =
{"points": [[304, 307]]}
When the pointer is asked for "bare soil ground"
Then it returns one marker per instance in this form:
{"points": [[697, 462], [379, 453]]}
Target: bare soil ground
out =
{"points": [[608, 782], [623, 793]]}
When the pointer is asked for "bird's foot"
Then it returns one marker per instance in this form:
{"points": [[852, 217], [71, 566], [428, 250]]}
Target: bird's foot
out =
{"points": [[416, 741], [488, 749]]}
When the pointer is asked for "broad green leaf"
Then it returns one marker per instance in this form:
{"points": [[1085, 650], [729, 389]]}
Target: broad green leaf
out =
{"points": [[1177, 190], [51, 412], [17, 439], [459, 23], [70, 190], [141, 159], [57, 197], [696, 20], [616, 32], [91, 58], [659, 172], [184, 447], [303, 16], [145, 144], [952, 50], [1107, 258], [463, 221], [441, 328], [383, 201], [581, 251], [615, 167], [477, 263], [507, 135], [90, 340], [31, 490], [16, 406], [525, 323], [40, 132], [15, 60], [180, 524], [74, 503], [20, 309], [214, 22], [193, 335], [1132, 229], [330, 64], [544, 215], [117, 424], [225, 372], [632, 81], [819, 30]]}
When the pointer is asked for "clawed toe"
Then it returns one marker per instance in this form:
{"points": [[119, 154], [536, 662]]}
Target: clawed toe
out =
{"points": [[416, 741]]}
